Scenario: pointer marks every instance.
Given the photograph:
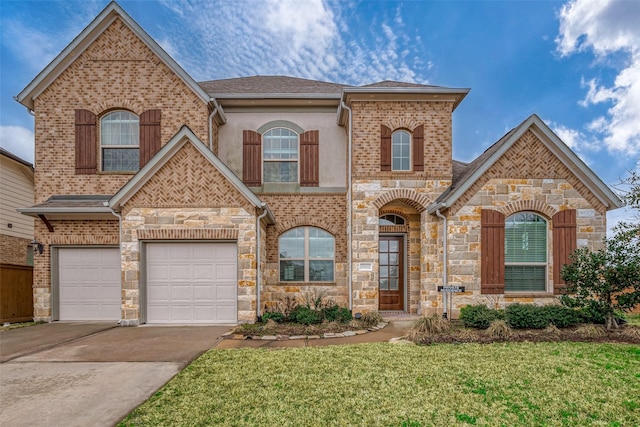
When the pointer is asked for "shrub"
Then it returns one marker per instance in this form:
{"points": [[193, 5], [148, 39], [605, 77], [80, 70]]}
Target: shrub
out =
{"points": [[371, 318], [276, 316], [478, 316], [561, 317], [305, 315], [498, 329], [335, 313], [524, 316], [425, 327]]}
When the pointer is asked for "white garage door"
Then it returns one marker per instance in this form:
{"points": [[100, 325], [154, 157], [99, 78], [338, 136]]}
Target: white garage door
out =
{"points": [[89, 283], [191, 283]]}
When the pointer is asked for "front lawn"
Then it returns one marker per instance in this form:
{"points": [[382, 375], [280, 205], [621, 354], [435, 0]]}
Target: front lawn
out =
{"points": [[529, 384]]}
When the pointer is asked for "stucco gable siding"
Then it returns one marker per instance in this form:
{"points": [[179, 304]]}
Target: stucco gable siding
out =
{"points": [[529, 158], [118, 71], [188, 179]]}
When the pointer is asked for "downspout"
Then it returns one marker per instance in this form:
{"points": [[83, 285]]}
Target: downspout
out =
{"points": [[119, 216], [349, 210], [213, 113], [265, 211], [444, 260]]}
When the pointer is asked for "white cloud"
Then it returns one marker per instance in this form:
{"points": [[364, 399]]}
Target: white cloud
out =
{"points": [[302, 38], [18, 141], [608, 27]]}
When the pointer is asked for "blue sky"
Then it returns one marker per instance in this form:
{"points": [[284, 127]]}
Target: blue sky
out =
{"points": [[576, 64]]}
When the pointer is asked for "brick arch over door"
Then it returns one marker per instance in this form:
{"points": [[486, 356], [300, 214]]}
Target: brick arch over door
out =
{"points": [[306, 221], [411, 197], [528, 205]]}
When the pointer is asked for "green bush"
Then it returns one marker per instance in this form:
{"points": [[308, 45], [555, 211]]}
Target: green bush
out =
{"points": [[525, 316], [335, 313], [479, 316], [276, 316], [561, 317], [305, 315]]}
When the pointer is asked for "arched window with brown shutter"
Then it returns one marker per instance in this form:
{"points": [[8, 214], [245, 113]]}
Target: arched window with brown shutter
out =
{"points": [[86, 160], [492, 252], [251, 158], [564, 243], [149, 135], [418, 148], [310, 159], [385, 148]]}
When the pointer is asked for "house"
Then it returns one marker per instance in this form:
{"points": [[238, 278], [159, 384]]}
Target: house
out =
{"points": [[161, 199], [16, 235]]}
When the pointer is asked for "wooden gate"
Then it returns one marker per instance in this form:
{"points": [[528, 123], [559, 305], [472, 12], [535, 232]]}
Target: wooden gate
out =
{"points": [[16, 293]]}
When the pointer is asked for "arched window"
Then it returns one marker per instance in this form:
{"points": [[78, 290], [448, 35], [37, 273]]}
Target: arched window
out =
{"points": [[280, 155], [306, 255], [391, 219], [401, 151], [525, 253], [120, 141]]}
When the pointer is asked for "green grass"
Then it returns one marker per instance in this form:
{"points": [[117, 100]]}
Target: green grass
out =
{"points": [[542, 384], [633, 319]]}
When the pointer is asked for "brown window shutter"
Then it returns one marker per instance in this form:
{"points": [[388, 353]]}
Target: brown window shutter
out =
{"points": [[564, 243], [149, 135], [86, 160], [385, 148], [418, 148], [492, 255], [251, 158], [310, 159]]}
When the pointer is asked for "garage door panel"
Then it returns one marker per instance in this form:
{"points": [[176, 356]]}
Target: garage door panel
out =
{"points": [[199, 284], [89, 284]]}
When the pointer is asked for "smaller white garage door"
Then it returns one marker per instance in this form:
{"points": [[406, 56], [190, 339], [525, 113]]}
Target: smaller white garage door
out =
{"points": [[89, 284], [191, 282]]}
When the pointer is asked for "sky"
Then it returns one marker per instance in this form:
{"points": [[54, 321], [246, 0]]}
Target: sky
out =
{"points": [[576, 63]]}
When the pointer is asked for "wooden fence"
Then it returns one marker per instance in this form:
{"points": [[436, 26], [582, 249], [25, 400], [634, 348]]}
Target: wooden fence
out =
{"points": [[16, 293]]}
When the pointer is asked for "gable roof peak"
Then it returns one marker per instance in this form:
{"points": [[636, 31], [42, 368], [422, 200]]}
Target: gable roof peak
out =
{"points": [[83, 40]]}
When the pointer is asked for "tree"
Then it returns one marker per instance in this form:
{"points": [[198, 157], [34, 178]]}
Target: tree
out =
{"points": [[608, 280]]}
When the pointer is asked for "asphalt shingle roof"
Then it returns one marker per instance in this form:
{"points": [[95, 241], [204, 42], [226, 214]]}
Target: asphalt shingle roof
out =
{"points": [[270, 84]]}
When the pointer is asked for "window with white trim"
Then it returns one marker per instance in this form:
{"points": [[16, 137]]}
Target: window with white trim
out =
{"points": [[120, 142], [280, 155], [525, 253], [306, 255], [401, 151]]}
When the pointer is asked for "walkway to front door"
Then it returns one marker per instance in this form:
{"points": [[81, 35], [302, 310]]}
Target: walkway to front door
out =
{"points": [[391, 273]]}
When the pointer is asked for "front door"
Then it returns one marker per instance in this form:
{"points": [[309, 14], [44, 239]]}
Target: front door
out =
{"points": [[391, 273]]}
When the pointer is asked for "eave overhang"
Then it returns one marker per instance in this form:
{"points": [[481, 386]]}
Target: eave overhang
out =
{"points": [[431, 94]]}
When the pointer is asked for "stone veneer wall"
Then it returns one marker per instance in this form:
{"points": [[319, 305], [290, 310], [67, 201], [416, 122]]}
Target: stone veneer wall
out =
{"points": [[207, 224], [370, 198], [543, 196], [103, 232], [13, 250]]}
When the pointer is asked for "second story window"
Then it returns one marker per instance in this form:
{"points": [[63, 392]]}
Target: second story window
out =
{"points": [[120, 142], [401, 151], [280, 155]]}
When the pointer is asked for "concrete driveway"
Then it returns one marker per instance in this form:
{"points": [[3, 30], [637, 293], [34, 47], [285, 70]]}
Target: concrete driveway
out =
{"points": [[78, 374]]}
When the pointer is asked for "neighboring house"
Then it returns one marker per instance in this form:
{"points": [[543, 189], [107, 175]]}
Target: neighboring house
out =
{"points": [[16, 236], [16, 191], [166, 200]]}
